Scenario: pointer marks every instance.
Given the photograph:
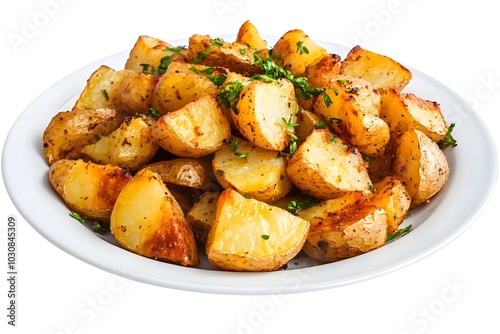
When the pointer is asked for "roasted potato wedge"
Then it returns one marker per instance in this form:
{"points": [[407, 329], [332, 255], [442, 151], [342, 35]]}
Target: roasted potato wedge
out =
{"points": [[147, 220], [148, 52], [421, 165], [249, 35], [344, 227], [381, 71], [199, 128], [185, 172], [403, 111], [135, 94], [295, 51], [354, 114], [263, 110], [177, 89], [87, 188], [201, 216], [236, 57], [130, 146], [101, 90], [390, 194], [249, 235], [69, 131], [251, 170], [325, 167], [308, 121]]}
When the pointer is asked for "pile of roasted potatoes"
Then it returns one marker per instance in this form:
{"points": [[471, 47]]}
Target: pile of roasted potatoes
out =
{"points": [[247, 152]]}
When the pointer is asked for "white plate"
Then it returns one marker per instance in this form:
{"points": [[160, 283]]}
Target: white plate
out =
{"points": [[473, 165]]}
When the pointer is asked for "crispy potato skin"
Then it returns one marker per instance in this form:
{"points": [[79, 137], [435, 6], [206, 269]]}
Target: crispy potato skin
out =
{"points": [[290, 51], [186, 172], [344, 227], [147, 220], [249, 35], [201, 216], [130, 146], [379, 70], [390, 194], [421, 165], [324, 167], [236, 57], [68, 132], [135, 94], [249, 235], [403, 111], [87, 188], [354, 114]]}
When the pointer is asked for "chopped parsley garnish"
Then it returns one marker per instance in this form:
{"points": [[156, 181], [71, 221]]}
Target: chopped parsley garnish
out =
{"points": [[301, 49], [265, 236], [154, 112], [105, 93], [217, 42], [296, 206], [164, 62], [293, 138], [273, 71], [201, 56], [208, 70], [448, 139], [234, 148], [229, 95], [98, 228], [400, 232], [77, 216]]}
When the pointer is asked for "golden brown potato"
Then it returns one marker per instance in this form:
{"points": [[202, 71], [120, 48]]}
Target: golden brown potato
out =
{"points": [[135, 94], [325, 167], [101, 90], [185, 172], [147, 220], [403, 111], [344, 227], [263, 110], [381, 71], [294, 51], [251, 170], [390, 194], [130, 146], [177, 89], [249, 35], [319, 73], [148, 52], [197, 129], [236, 57], [353, 114], [249, 235], [421, 165], [201, 215], [69, 131], [87, 188], [308, 121]]}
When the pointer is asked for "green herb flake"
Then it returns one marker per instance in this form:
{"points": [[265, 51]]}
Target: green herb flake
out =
{"points": [[208, 70], [77, 216], [219, 42], [154, 112], [98, 228], [265, 236], [296, 206], [399, 233], [201, 56], [105, 93], [448, 139], [301, 49]]}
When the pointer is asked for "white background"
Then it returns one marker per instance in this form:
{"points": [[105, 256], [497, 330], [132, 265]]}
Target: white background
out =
{"points": [[454, 42]]}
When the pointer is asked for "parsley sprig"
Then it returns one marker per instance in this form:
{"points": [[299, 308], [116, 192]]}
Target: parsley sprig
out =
{"points": [[164, 62], [229, 95], [448, 139], [273, 72], [399, 233]]}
